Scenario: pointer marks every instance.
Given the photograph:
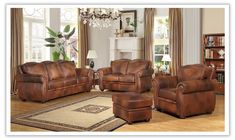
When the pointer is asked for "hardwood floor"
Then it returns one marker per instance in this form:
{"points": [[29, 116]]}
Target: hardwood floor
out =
{"points": [[160, 122]]}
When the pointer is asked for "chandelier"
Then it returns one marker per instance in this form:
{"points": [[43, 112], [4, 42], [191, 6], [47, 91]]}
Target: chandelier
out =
{"points": [[99, 17]]}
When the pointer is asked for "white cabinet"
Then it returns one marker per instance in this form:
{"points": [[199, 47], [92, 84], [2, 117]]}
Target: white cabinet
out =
{"points": [[126, 48]]}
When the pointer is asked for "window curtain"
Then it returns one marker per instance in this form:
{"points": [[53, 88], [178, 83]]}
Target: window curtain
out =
{"points": [[148, 33], [16, 44], [176, 36], [83, 43]]}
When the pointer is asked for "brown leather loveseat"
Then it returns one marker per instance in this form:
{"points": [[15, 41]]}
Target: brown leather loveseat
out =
{"points": [[189, 93], [48, 80], [126, 75]]}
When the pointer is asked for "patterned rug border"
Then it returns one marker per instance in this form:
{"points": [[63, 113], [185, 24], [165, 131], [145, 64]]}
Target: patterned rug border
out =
{"points": [[23, 119]]}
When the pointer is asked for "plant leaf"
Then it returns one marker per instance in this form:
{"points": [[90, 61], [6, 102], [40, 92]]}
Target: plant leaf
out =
{"points": [[66, 28], [71, 33], [50, 39], [51, 32], [49, 45], [59, 35]]}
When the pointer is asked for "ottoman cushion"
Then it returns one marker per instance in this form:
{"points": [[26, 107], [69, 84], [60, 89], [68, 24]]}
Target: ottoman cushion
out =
{"points": [[132, 107], [131, 100]]}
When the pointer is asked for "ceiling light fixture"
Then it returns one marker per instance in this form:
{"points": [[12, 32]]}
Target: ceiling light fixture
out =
{"points": [[99, 17]]}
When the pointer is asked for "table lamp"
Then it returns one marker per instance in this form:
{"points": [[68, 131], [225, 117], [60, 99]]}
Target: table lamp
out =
{"points": [[166, 58], [91, 55]]}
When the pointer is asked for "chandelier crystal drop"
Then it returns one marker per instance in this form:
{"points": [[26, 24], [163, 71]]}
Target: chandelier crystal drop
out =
{"points": [[99, 17]]}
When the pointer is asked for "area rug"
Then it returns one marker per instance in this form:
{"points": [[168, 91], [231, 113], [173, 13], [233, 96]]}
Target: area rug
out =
{"points": [[89, 114]]}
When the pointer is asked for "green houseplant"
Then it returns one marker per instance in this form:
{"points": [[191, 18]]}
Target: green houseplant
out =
{"points": [[60, 40]]}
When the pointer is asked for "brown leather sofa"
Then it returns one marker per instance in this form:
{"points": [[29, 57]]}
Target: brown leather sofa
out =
{"points": [[126, 75], [189, 93], [48, 80]]}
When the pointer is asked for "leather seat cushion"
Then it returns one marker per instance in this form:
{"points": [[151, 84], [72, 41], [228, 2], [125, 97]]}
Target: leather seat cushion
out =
{"points": [[135, 66], [68, 68], [83, 79], [111, 77], [168, 93], [54, 71], [34, 68], [53, 84], [131, 100], [70, 81], [129, 78]]}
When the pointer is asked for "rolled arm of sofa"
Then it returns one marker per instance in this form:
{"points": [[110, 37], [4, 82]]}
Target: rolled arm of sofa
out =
{"points": [[195, 86], [30, 78], [165, 81], [144, 73], [104, 71]]}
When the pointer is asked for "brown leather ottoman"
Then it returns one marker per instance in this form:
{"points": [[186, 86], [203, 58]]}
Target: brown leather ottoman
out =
{"points": [[132, 107]]}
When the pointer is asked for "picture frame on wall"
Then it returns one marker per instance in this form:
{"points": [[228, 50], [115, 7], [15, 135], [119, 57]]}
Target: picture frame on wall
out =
{"points": [[127, 18]]}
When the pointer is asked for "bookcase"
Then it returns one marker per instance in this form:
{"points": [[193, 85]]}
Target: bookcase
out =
{"points": [[213, 54]]}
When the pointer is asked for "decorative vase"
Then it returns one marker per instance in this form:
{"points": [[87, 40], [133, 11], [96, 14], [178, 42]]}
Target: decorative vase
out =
{"points": [[221, 53]]}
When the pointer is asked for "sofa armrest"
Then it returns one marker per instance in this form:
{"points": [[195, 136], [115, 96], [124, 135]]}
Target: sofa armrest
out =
{"points": [[84, 72], [165, 81], [144, 73], [195, 86], [104, 71], [31, 78]]}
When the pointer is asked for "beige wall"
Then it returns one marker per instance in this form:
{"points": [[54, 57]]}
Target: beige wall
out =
{"points": [[213, 20], [99, 39]]}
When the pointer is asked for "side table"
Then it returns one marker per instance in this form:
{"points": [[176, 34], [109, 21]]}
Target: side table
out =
{"points": [[95, 79]]}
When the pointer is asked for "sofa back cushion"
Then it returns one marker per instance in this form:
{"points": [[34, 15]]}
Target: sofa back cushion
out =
{"points": [[137, 65], [119, 66], [34, 68], [54, 71], [68, 68], [194, 72]]}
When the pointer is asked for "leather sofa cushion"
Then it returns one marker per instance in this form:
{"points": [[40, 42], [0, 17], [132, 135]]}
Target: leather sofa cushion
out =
{"points": [[54, 71], [53, 84], [83, 79], [186, 74], [119, 66], [131, 100], [68, 68], [137, 65], [168, 93], [129, 78], [70, 81], [34, 68], [111, 77]]}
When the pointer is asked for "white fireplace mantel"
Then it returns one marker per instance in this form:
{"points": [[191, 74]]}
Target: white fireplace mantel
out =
{"points": [[126, 48]]}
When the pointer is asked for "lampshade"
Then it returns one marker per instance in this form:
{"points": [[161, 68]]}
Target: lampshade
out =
{"points": [[91, 54], [166, 57]]}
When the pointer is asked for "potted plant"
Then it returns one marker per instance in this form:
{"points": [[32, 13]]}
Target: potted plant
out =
{"points": [[60, 40]]}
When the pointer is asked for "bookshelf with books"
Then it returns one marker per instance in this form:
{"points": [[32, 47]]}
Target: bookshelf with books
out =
{"points": [[213, 54]]}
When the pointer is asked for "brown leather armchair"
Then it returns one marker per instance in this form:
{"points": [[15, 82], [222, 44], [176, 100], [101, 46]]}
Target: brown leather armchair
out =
{"points": [[126, 75], [189, 93], [48, 80]]}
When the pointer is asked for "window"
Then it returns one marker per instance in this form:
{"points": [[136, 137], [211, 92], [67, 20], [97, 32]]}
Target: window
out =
{"points": [[69, 16], [34, 34], [161, 36]]}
